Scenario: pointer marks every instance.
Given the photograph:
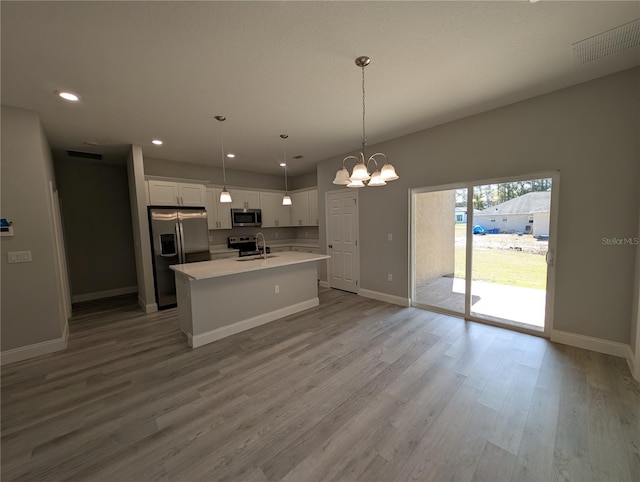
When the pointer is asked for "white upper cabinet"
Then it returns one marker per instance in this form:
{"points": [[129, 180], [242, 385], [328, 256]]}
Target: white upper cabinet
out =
{"points": [[192, 194], [313, 207], [167, 193], [300, 209], [241, 199], [274, 214], [218, 214]]}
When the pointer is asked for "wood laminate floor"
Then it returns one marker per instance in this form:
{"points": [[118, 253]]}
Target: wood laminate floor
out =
{"points": [[354, 389]]}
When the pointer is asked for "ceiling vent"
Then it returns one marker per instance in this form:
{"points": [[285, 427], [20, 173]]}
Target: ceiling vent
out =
{"points": [[298, 157], [608, 43], [85, 155]]}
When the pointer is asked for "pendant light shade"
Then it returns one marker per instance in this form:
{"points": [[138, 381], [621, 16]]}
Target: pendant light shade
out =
{"points": [[356, 184], [360, 173], [376, 179], [389, 173], [342, 177], [225, 195], [360, 176], [286, 199]]}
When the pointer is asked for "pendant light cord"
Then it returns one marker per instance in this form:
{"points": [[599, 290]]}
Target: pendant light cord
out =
{"points": [[284, 141], [224, 171], [364, 135]]}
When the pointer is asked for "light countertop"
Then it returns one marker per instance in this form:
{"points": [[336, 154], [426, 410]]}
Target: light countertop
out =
{"points": [[272, 243], [225, 267]]}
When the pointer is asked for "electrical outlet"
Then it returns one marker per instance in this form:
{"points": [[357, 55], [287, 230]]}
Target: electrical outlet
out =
{"points": [[277, 289], [389, 238], [19, 257], [389, 277]]}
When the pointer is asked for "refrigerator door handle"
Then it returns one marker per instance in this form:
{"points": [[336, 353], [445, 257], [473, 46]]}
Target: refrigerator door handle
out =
{"points": [[180, 239]]}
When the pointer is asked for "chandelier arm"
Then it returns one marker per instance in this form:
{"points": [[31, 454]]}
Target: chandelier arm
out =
{"points": [[372, 158], [386, 160], [348, 158]]}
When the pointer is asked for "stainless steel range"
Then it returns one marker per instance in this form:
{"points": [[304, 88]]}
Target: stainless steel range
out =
{"points": [[247, 245]]}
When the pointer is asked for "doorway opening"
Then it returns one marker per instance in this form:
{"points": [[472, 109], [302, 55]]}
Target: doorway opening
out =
{"points": [[492, 262]]}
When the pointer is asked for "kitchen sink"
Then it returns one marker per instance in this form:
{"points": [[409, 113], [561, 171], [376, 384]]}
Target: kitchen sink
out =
{"points": [[257, 258]]}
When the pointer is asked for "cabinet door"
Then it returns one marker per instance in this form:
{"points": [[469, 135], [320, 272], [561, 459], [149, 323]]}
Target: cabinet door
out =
{"points": [[300, 209], [253, 199], [269, 209], [192, 194], [218, 214], [163, 193], [223, 211], [212, 217], [284, 216], [313, 207]]}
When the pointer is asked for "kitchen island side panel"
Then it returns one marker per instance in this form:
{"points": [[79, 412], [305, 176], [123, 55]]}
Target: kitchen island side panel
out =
{"points": [[229, 304]]}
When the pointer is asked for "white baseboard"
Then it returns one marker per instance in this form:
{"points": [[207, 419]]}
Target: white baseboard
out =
{"points": [[147, 307], [376, 295], [634, 366], [590, 343], [224, 331], [37, 349], [324, 284], [98, 295]]}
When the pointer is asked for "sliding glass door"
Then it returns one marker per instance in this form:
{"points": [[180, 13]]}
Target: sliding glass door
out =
{"points": [[440, 222], [489, 263]]}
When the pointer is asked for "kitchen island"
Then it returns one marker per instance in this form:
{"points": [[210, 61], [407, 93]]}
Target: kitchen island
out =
{"points": [[220, 298]]}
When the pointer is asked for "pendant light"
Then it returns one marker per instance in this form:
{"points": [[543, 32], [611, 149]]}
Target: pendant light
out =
{"points": [[286, 199], [225, 195], [360, 176]]}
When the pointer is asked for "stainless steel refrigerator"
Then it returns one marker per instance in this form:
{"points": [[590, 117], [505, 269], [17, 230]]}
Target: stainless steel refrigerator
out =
{"points": [[178, 235]]}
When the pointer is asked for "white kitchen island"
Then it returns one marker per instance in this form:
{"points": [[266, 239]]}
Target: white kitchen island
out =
{"points": [[224, 297]]}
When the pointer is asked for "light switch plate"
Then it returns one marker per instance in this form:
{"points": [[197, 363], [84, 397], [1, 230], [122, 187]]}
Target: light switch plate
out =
{"points": [[19, 257]]}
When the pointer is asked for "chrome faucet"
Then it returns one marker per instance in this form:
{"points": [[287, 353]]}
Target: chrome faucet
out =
{"points": [[264, 245]]}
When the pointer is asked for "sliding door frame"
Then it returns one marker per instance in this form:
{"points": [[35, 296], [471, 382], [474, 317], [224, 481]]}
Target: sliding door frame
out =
{"points": [[551, 256]]}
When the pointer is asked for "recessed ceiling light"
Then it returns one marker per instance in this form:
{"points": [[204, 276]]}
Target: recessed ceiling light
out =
{"points": [[66, 95], [231, 156], [283, 164], [157, 142]]}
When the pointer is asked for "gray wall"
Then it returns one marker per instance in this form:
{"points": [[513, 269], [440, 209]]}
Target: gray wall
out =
{"points": [[32, 309], [97, 225], [589, 132], [303, 181], [200, 172]]}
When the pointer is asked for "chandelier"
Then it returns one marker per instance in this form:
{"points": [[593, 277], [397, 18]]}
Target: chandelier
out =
{"points": [[360, 176]]}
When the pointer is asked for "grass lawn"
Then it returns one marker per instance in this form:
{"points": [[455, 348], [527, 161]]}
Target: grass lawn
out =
{"points": [[505, 267]]}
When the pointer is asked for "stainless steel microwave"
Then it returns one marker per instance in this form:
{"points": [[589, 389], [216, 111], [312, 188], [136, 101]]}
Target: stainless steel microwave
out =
{"points": [[246, 217]]}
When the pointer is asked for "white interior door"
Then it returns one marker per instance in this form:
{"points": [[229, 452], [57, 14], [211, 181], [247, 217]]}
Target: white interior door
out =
{"points": [[342, 232]]}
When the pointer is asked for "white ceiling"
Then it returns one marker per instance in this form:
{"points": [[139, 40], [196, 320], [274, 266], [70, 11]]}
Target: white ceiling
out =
{"points": [[148, 70]]}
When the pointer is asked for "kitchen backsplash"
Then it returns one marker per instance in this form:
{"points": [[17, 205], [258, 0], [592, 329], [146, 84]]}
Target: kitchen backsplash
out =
{"points": [[219, 236]]}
